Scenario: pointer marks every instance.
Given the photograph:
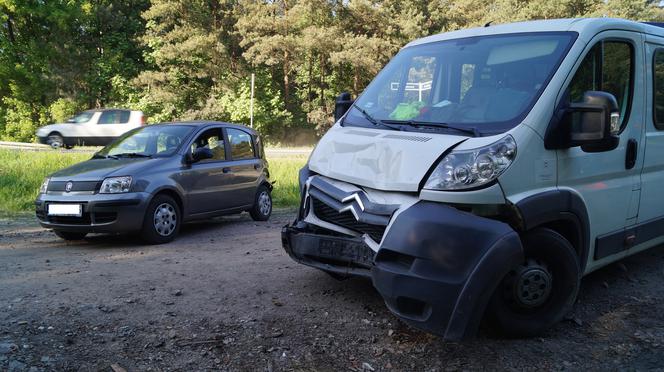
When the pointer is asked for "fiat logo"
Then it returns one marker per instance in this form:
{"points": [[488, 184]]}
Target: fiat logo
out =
{"points": [[68, 186]]}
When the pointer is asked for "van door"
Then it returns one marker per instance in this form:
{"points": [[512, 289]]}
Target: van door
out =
{"points": [[609, 182], [651, 212]]}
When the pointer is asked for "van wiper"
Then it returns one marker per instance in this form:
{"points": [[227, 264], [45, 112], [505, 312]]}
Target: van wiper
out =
{"points": [[133, 155], [414, 123], [374, 121]]}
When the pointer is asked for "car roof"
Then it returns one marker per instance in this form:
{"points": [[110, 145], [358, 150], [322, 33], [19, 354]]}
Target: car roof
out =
{"points": [[204, 123], [110, 109], [585, 27]]}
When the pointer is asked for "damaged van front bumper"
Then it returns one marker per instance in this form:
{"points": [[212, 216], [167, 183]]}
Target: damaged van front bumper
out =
{"points": [[436, 267]]}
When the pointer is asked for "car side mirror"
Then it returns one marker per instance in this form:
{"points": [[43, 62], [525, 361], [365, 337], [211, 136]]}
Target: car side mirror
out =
{"points": [[199, 154], [342, 104], [594, 123]]}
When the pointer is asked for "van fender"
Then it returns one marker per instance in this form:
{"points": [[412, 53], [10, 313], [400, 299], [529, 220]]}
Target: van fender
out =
{"points": [[554, 206]]}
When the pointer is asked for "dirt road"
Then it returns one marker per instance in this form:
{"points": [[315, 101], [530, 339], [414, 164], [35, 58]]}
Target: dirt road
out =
{"points": [[225, 296]]}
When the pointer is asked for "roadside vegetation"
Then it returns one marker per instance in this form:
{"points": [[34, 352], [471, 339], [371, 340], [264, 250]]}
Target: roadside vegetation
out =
{"points": [[22, 172]]}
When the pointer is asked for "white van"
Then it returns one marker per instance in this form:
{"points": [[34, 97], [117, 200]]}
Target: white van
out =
{"points": [[91, 128], [483, 172]]}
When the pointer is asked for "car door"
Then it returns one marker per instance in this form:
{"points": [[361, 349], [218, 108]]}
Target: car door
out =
{"points": [[651, 212], [609, 181], [208, 183], [245, 165]]}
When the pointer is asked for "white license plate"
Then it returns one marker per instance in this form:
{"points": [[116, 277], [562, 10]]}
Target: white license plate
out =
{"points": [[65, 210]]}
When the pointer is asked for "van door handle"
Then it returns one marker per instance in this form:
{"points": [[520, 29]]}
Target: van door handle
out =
{"points": [[226, 169], [630, 157]]}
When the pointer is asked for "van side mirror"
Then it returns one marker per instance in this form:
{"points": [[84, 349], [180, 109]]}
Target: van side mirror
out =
{"points": [[199, 154], [592, 124], [342, 104]]}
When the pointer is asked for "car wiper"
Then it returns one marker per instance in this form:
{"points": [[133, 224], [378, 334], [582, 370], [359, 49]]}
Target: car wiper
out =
{"points": [[99, 156], [374, 121], [414, 123], [132, 155]]}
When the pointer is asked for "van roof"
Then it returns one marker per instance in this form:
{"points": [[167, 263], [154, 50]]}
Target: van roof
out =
{"points": [[585, 27]]}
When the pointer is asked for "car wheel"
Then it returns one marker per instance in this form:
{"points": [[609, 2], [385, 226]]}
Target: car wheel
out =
{"points": [[55, 140], [67, 235], [262, 208], [162, 220], [540, 291]]}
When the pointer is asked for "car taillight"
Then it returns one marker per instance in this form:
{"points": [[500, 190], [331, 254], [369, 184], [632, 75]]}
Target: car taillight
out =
{"points": [[143, 121]]}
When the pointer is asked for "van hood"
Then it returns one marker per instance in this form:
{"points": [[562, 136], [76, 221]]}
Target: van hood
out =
{"points": [[98, 169], [379, 159]]}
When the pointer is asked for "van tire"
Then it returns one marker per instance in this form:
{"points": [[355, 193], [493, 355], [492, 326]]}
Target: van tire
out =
{"points": [[262, 208], [153, 232], [69, 236], [538, 293]]}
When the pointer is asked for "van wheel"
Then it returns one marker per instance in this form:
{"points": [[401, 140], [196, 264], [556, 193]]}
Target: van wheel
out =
{"points": [[540, 291], [55, 140], [161, 223], [67, 235], [262, 208]]}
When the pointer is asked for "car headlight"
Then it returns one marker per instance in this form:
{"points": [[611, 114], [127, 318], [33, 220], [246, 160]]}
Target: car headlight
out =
{"points": [[115, 185], [44, 186], [466, 169]]}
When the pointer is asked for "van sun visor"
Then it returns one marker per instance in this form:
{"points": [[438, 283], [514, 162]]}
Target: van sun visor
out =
{"points": [[519, 51]]}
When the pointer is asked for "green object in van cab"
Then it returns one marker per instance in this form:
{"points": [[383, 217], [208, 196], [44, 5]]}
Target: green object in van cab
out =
{"points": [[406, 111]]}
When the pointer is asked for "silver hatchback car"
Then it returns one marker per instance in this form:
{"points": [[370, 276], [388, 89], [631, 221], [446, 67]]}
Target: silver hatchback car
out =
{"points": [[154, 178]]}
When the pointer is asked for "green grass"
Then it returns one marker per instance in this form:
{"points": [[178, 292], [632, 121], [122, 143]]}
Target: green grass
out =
{"points": [[22, 172]]}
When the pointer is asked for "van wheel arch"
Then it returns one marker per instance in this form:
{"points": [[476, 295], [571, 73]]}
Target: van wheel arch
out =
{"points": [[562, 211]]}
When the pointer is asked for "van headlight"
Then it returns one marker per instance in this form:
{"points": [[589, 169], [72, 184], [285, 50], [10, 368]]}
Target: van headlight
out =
{"points": [[115, 185], [466, 169], [44, 186]]}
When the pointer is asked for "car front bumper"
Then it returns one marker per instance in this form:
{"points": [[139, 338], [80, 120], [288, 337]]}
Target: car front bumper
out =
{"points": [[102, 213], [436, 268]]}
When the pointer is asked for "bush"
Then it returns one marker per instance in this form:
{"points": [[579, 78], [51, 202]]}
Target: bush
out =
{"points": [[64, 108]]}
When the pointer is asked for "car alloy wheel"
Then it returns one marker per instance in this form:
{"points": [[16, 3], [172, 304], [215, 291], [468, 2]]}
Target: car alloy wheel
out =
{"points": [[265, 203], [55, 141], [165, 219]]}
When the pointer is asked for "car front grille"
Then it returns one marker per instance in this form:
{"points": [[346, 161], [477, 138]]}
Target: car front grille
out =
{"points": [[59, 186], [347, 219]]}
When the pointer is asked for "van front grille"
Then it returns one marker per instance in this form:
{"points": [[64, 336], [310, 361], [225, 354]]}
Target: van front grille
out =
{"points": [[347, 219]]}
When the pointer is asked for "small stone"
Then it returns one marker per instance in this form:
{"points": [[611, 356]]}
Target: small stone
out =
{"points": [[7, 347], [367, 367], [366, 321], [390, 333], [177, 293]]}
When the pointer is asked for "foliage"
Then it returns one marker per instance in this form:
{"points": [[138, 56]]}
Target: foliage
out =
{"points": [[185, 60]]}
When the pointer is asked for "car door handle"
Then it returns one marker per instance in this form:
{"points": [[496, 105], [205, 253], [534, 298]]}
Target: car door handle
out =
{"points": [[630, 157], [226, 169]]}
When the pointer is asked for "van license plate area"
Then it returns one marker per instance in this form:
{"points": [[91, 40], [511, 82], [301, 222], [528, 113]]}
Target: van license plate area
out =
{"points": [[70, 210], [345, 250]]}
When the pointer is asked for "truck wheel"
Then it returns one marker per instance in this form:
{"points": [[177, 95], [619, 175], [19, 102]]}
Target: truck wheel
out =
{"points": [[540, 291], [55, 140], [262, 208], [66, 235], [161, 223]]}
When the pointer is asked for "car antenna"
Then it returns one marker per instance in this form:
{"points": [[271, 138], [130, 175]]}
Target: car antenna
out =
{"points": [[488, 24]]}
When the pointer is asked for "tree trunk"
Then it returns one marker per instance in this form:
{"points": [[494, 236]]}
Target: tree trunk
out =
{"points": [[10, 28]]}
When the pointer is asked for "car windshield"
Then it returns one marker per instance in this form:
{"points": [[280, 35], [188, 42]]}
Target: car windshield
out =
{"points": [[472, 86], [83, 117], [149, 141]]}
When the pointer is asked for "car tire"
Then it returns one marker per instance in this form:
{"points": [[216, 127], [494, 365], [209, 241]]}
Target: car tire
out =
{"points": [[68, 235], [262, 208], [55, 140], [162, 220], [540, 291]]}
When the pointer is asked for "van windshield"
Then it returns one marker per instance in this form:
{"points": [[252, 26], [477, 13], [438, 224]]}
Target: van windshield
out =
{"points": [[472, 86]]}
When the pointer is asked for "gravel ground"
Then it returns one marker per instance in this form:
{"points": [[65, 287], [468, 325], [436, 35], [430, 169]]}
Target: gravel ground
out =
{"points": [[225, 296]]}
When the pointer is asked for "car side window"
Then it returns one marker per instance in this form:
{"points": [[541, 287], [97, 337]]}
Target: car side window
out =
{"points": [[658, 88], [241, 144], [607, 67], [212, 139], [114, 117]]}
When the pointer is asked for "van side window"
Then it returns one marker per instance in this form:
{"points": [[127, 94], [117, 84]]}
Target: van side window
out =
{"points": [[241, 146], [658, 88], [607, 67]]}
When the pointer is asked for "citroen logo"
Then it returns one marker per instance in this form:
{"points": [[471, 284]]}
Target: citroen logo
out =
{"points": [[68, 186]]}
